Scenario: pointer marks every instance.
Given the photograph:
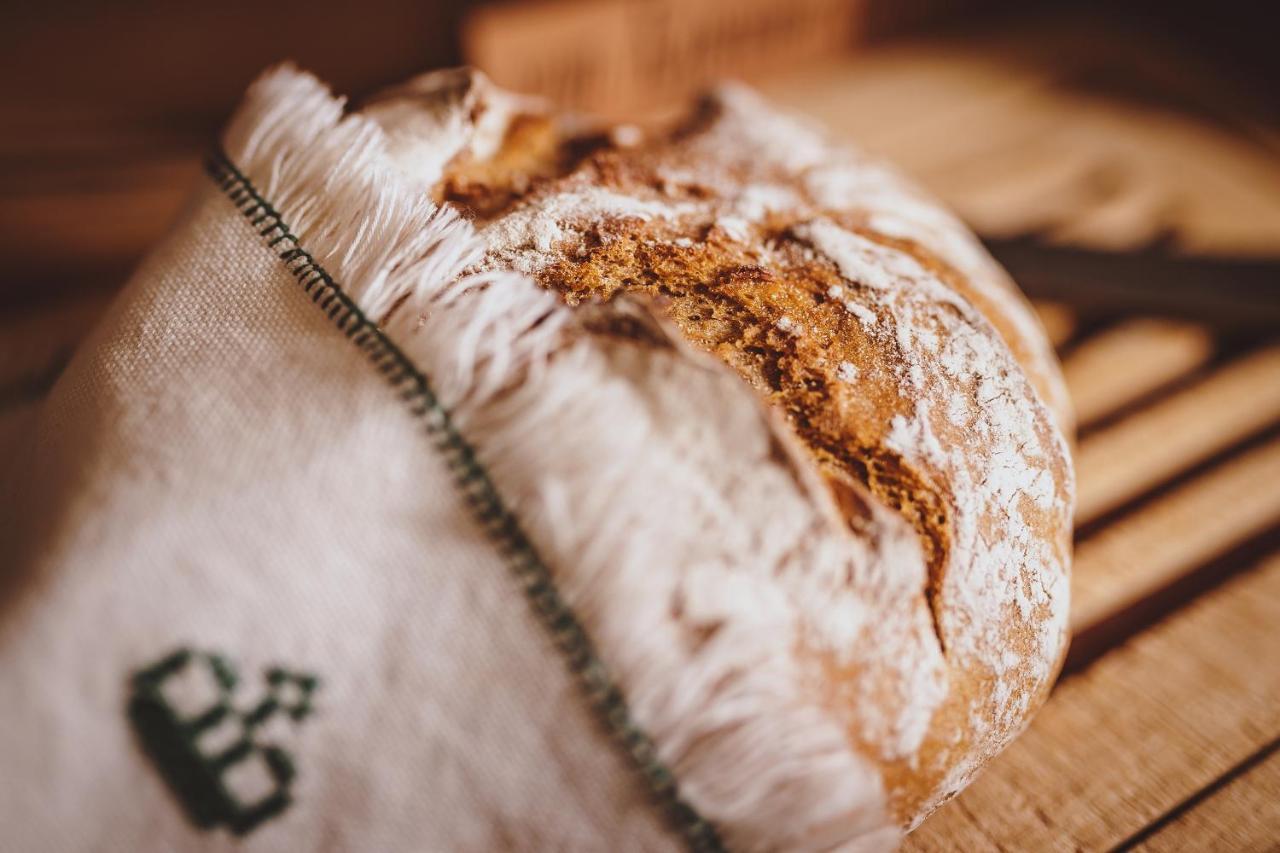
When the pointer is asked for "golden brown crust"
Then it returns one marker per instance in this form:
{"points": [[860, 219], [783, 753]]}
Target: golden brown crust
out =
{"points": [[900, 356], [727, 302]]}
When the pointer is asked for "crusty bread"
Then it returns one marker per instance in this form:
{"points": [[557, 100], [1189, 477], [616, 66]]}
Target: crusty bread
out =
{"points": [[901, 356]]}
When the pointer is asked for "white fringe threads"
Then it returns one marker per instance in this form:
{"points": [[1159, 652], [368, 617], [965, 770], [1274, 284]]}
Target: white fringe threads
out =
{"points": [[713, 576]]}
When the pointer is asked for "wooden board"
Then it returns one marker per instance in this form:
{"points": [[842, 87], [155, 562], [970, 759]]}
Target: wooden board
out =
{"points": [[1238, 815], [1128, 362], [1137, 454], [1147, 551]]}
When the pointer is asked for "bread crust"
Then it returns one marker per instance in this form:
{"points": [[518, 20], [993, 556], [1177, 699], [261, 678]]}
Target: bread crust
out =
{"points": [[901, 357]]}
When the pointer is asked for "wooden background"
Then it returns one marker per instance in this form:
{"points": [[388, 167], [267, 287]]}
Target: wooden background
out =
{"points": [[1077, 128]]}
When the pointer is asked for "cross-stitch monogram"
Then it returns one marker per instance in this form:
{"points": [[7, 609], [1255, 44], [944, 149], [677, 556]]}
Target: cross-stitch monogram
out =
{"points": [[223, 762]]}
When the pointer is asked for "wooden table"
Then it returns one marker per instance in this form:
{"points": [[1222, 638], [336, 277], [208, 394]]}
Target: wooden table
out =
{"points": [[1164, 731]]}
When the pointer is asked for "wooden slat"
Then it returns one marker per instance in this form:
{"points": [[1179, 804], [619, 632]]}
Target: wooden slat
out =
{"points": [[1058, 320], [1242, 815], [1144, 552], [1141, 731], [1025, 184], [1129, 218], [1124, 363], [1138, 453], [598, 57]]}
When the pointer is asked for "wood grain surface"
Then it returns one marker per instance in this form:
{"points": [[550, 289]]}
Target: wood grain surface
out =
{"points": [[1238, 815], [1125, 363], [1173, 535], [1135, 455]]}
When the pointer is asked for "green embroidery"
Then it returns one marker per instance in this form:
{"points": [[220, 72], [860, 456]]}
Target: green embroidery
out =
{"points": [[220, 762]]}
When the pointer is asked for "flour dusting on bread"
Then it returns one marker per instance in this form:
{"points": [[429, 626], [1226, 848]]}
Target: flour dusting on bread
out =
{"points": [[765, 219], [831, 577]]}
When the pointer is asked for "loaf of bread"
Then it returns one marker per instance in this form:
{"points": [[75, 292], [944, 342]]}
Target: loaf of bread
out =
{"points": [[904, 362]]}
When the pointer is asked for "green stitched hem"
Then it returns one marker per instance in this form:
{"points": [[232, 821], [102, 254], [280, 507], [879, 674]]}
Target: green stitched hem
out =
{"points": [[480, 494]]}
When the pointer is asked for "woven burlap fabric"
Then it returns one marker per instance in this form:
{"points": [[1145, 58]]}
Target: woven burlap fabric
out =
{"points": [[222, 470]]}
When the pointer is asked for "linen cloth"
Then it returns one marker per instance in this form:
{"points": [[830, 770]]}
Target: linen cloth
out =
{"points": [[373, 549], [222, 472]]}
